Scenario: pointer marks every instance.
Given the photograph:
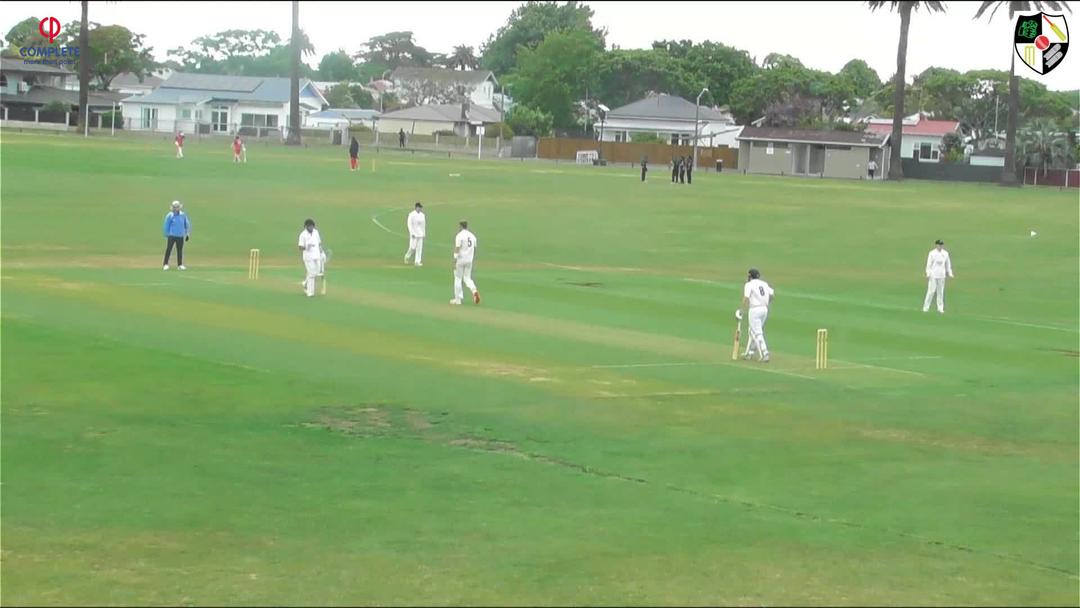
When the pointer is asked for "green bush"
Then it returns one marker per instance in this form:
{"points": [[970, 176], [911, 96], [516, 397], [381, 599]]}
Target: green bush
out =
{"points": [[646, 138], [444, 133], [499, 129], [527, 121], [56, 106]]}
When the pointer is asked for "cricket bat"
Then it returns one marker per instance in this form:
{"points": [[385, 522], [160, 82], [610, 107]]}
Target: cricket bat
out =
{"points": [[737, 340]]}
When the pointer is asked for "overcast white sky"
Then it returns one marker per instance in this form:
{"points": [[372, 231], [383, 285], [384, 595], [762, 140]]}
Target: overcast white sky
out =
{"points": [[824, 35]]}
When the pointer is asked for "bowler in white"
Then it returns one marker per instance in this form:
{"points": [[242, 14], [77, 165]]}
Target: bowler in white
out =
{"points": [[938, 266], [417, 226], [311, 251], [757, 296], [464, 254]]}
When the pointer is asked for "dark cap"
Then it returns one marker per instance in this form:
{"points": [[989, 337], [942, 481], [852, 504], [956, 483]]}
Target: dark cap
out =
{"points": [[309, 222], [418, 205], [463, 223], [754, 273], [939, 242]]}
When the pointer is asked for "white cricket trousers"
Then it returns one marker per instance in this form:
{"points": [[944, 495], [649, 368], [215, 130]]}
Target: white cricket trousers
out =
{"points": [[935, 286], [179, 152], [463, 273], [416, 245], [756, 320], [312, 267]]}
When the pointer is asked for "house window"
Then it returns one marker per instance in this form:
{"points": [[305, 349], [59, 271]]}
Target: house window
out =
{"points": [[258, 120], [674, 139], [185, 114], [769, 148], [927, 152], [149, 118], [620, 136]]}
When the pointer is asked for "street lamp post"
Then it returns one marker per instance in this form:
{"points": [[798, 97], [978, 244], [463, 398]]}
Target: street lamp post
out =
{"points": [[603, 117], [697, 109]]}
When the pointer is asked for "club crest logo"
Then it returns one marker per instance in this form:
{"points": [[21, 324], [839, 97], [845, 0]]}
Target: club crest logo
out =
{"points": [[1041, 41]]}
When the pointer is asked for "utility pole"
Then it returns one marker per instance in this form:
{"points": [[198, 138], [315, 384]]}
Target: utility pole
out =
{"points": [[697, 109]]}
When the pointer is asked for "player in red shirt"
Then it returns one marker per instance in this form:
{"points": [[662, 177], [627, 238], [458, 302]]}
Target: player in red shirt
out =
{"points": [[237, 148], [179, 144]]}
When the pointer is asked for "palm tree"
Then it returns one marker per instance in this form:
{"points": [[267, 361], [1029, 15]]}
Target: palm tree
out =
{"points": [[1044, 146], [293, 137], [463, 58], [1008, 175], [84, 64], [896, 169]]}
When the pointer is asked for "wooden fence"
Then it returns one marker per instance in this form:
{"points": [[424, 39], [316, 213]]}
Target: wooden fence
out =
{"points": [[620, 152]]}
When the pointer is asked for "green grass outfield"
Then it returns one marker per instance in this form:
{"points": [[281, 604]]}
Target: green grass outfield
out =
{"points": [[582, 437]]}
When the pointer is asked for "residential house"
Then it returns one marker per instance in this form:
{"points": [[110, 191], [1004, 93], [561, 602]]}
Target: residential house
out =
{"points": [[672, 118], [217, 104], [425, 86], [922, 136], [129, 84], [462, 119], [844, 154], [26, 88], [336, 118]]}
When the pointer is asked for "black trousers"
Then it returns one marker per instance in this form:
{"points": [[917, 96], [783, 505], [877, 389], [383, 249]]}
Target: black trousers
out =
{"points": [[689, 177], [179, 242], [643, 170], [674, 175]]}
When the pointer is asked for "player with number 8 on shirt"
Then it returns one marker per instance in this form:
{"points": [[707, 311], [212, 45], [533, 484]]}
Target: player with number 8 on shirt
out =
{"points": [[757, 296]]}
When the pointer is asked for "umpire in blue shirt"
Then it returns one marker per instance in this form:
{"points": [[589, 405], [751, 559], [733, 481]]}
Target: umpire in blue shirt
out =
{"points": [[177, 229]]}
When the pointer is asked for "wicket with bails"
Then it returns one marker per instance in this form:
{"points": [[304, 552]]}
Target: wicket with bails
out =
{"points": [[253, 264], [821, 359]]}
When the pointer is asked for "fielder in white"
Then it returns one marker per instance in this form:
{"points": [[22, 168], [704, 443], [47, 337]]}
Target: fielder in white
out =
{"points": [[757, 296], [311, 251], [417, 226], [464, 253], [938, 266]]}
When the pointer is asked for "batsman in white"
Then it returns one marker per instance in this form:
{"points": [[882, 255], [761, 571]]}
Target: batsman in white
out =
{"points": [[311, 251], [757, 296], [417, 226], [938, 266], [464, 253]]}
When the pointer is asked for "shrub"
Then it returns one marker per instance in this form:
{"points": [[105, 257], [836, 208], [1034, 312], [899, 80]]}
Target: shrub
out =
{"points": [[56, 106], [646, 138], [527, 121]]}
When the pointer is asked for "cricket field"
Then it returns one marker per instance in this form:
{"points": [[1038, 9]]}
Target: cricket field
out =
{"points": [[581, 437]]}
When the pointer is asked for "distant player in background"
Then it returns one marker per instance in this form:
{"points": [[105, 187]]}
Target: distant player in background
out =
{"points": [[871, 168], [354, 154], [690, 170], [938, 266], [682, 169], [417, 227], [401, 138], [674, 169], [177, 230], [644, 167], [757, 296], [311, 252], [237, 149], [464, 253], [179, 144]]}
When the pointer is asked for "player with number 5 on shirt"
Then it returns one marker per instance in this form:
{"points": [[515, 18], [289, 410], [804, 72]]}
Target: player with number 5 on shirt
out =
{"points": [[757, 296], [464, 253]]}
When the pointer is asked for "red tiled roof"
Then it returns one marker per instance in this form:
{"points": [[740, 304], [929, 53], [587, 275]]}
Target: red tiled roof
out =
{"points": [[924, 127]]}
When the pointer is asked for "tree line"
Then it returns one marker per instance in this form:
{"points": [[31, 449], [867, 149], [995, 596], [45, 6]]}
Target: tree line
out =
{"points": [[556, 65]]}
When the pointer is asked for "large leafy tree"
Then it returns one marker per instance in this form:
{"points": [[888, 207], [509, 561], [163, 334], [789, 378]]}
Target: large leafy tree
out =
{"points": [[110, 51], [337, 66], [627, 75], [989, 9], [393, 50], [1044, 145], [242, 53], [527, 27], [860, 78], [528, 121], [554, 76], [905, 9], [23, 33], [710, 64]]}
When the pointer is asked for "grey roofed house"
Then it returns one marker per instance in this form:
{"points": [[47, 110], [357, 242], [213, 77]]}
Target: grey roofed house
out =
{"points": [[843, 138], [215, 87], [668, 107], [13, 64], [444, 113], [33, 85], [353, 114], [441, 75]]}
